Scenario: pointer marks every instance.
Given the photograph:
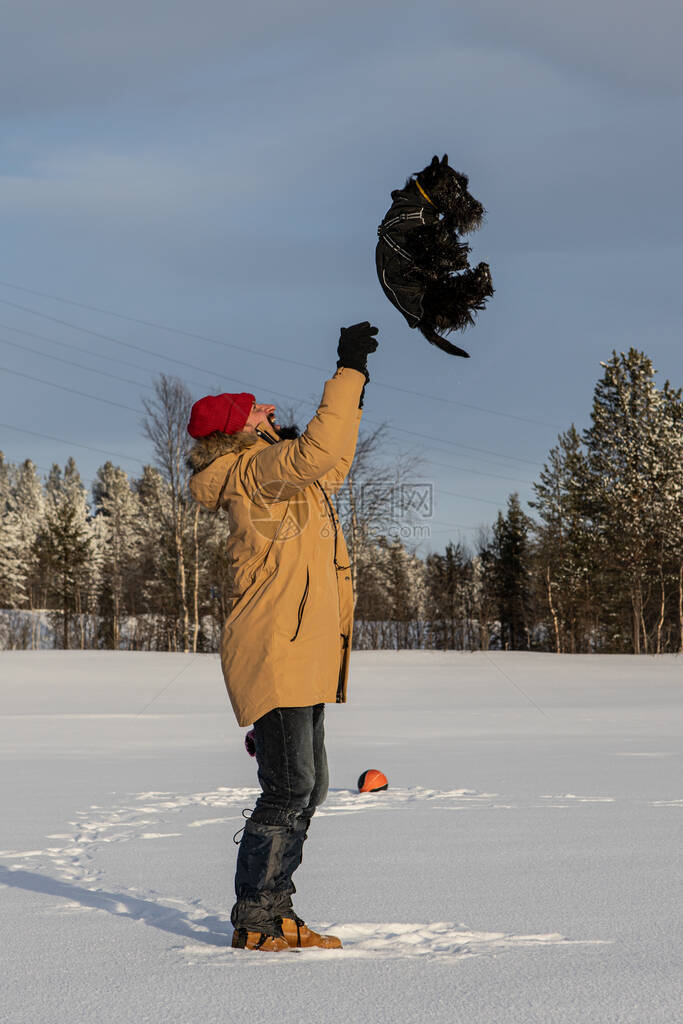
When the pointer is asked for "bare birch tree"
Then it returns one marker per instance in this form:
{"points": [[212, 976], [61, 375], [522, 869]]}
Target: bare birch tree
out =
{"points": [[165, 425]]}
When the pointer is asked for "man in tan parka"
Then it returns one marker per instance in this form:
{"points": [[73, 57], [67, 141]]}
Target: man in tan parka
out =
{"points": [[286, 641]]}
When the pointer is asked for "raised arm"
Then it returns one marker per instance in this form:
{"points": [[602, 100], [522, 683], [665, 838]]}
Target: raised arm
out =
{"points": [[326, 448], [333, 480], [279, 471]]}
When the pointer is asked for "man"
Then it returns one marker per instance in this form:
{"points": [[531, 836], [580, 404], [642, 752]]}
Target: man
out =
{"points": [[286, 641]]}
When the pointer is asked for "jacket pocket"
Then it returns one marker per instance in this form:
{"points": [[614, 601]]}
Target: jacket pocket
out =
{"points": [[250, 588], [302, 605]]}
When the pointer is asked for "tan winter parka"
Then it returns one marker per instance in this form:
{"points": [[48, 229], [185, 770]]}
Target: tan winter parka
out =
{"points": [[287, 637]]}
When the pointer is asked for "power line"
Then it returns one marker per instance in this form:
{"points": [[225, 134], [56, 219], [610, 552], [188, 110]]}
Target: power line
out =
{"points": [[421, 454], [444, 526], [162, 327], [469, 497], [269, 355], [453, 494], [127, 380], [457, 444], [46, 469], [70, 362], [478, 472], [90, 369], [115, 377], [109, 337], [72, 391], [479, 460], [147, 351], [466, 405], [74, 444], [450, 526], [193, 366], [109, 359], [199, 384], [464, 497], [78, 348]]}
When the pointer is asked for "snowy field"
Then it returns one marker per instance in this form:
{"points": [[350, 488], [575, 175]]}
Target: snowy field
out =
{"points": [[524, 866]]}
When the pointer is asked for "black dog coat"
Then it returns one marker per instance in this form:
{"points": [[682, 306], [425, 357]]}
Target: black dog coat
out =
{"points": [[393, 257], [394, 261]]}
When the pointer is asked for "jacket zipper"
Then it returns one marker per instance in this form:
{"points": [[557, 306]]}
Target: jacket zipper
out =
{"points": [[344, 636], [330, 512], [340, 683], [302, 605]]}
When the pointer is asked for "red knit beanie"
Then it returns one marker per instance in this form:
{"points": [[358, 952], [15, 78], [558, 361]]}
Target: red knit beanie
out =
{"points": [[227, 413]]}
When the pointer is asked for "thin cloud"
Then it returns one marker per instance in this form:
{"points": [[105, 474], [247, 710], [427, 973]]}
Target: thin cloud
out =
{"points": [[82, 56], [628, 43], [77, 55]]}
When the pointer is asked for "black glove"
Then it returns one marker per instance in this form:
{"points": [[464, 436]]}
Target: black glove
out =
{"points": [[355, 344]]}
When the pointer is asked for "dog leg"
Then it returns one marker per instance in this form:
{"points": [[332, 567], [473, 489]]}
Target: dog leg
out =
{"points": [[450, 304]]}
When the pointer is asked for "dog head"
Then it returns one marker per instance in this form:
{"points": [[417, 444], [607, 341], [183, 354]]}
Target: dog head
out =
{"points": [[447, 189]]}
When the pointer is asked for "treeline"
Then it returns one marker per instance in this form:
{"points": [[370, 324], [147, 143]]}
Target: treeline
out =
{"points": [[595, 566]]}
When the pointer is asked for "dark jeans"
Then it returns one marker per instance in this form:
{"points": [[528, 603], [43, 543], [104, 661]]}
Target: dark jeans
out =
{"points": [[292, 772]]}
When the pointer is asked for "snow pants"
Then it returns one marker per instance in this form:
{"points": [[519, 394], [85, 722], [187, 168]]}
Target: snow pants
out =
{"points": [[293, 774]]}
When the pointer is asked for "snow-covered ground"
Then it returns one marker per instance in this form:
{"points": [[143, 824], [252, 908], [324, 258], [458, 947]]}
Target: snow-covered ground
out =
{"points": [[524, 866]]}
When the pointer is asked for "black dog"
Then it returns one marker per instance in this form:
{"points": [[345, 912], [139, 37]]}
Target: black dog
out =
{"points": [[419, 254]]}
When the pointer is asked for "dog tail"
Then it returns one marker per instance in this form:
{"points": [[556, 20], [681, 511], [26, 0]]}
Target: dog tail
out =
{"points": [[435, 339]]}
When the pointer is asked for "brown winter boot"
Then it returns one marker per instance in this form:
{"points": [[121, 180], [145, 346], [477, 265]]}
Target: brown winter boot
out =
{"points": [[242, 939], [300, 936]]}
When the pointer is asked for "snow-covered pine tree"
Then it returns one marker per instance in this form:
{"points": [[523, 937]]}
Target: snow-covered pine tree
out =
{"points": [[415, 596], [20, 523], [372, 626], [670, 486], [117, 513], [213, 573], [10, 579], [563, 548], [507, 564], [631, 487], [154, 595], [482, 598], [64, 548], [448, 581], [397, 577], [5, 482]]}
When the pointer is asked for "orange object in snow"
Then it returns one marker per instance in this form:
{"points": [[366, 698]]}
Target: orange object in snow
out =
{"points": [[372, 781]]}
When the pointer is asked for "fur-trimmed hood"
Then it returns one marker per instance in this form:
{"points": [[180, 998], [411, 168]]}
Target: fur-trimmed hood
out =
{"points": [[210, 467], [207, 449]]}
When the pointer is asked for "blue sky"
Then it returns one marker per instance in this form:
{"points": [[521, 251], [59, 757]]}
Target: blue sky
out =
{"points": [[221, 169]]}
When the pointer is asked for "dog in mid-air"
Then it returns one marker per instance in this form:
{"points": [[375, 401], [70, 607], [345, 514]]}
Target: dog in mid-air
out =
{"points": [[422, 264]]}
